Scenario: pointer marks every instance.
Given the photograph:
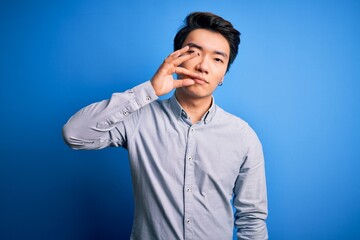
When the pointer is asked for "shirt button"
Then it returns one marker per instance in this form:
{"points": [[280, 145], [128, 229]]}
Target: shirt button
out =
{"points": [[188, 220], [125, 113], [189, 158], [148, 98], [188, 189]]}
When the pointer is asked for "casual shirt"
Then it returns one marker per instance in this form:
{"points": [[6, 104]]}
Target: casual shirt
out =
{"points": [[190, 181]]}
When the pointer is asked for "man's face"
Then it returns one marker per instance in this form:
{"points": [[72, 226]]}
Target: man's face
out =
{"points": [[213, 52]]}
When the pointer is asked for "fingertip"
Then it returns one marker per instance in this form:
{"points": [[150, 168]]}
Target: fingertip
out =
{"points": [[186, 47], [189, 82], [183, 83]]}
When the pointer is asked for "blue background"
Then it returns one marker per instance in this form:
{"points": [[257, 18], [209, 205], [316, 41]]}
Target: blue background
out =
{"points": [[296, 81]]}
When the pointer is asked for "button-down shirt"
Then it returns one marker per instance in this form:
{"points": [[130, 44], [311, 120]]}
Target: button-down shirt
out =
{"points": [[190, 181]]}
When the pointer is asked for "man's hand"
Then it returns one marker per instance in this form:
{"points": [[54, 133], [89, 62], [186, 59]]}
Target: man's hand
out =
{"points": [[163, 81]]}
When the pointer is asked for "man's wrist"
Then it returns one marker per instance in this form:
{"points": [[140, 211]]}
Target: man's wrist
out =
{"points": [[145, 93]]}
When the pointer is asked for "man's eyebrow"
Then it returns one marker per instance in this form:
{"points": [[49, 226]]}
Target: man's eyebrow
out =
{"points": [[221, 53], [201, 48]]}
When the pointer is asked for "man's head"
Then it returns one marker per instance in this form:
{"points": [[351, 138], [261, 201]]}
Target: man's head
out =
{"points": [[211, 22]]}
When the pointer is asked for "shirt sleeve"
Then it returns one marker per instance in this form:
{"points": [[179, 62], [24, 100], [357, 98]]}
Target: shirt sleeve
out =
{"points": [[99, 125], [250, 197]]}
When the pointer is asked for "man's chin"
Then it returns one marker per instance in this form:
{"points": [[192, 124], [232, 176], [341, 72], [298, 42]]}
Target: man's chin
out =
{"points": [[194, 91]]}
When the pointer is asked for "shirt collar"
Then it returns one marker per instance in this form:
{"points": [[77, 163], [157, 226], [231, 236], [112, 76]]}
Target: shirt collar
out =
{"points": [[180, 112]]}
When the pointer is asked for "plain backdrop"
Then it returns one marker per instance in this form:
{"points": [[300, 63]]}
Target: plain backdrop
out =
{"points": [[295, 80]]}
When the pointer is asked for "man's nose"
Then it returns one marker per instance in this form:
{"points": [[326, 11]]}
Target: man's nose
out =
{"points": [[202, 65]]}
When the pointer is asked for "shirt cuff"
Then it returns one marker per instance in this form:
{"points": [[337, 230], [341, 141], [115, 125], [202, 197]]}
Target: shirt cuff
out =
{"points": [[145, 93]]}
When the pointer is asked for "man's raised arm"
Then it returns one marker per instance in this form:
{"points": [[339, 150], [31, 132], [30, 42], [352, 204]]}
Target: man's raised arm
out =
{"points": [[99, 124]]}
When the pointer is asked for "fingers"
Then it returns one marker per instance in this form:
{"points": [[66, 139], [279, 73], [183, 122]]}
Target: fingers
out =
{"points": [[186, 72], [183, 83], [177, 53], [180, 56], [183, 58]]}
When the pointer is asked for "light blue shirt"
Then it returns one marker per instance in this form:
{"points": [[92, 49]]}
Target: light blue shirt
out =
{"points": [[190, 181]]}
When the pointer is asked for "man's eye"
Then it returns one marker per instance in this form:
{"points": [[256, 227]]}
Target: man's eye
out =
{"points": [[219, 60]]}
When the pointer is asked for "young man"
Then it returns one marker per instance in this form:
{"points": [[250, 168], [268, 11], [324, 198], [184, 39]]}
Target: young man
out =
{"points": [[192, 163]]}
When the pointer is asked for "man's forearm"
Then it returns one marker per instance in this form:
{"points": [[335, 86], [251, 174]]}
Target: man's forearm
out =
{"points": [[90, 127]]}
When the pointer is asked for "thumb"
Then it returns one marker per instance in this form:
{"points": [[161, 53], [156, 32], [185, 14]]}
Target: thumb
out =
{"points": [[183, 83]]}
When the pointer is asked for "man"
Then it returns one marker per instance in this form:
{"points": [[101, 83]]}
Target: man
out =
{"points": [[192, 163]]}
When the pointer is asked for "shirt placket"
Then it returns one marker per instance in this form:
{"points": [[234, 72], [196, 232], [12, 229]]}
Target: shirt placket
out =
{"points": [[188, 184]]}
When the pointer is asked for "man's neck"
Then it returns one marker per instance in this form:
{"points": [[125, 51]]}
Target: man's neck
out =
{"points": [[194, 107]]}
